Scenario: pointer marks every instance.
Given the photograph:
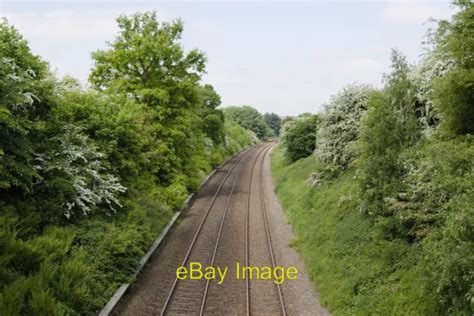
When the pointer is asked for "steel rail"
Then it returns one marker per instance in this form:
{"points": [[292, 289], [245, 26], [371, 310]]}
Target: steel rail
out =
{"points": [[203, 302], [267, 229], [247, 215], [186, 257]]}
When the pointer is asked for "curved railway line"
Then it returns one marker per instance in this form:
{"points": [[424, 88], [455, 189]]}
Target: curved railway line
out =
{"points": [[232, 223], [187, 296], [267, 230]]}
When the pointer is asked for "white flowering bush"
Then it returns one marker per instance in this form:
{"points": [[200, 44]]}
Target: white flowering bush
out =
{"points": [[80, 163], [435, 64], [339, 125]]}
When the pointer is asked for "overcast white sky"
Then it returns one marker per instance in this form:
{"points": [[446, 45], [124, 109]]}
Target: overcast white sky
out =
{"points": [[278, 56]]}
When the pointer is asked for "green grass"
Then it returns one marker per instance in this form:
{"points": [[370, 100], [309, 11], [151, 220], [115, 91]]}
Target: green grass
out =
{"points": [[355, 270]]}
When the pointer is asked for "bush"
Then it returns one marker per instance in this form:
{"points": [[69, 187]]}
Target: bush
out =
{"points": [[79, 166], [339, 125], [118, 126], [298, 137], [454, 98], [237, 137], [26, 100], [58, 283], [435, 210], [433, 178]]}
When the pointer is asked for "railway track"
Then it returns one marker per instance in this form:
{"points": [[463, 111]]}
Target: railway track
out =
{"points": [[233, 227], [268, 232], [183, 297], [190, 297]]}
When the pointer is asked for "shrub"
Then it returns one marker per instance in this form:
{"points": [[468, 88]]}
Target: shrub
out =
{"points": [[298, 137], [76, 165], [339, 125], [237, 137], [433, 178], [58, 284], [454, 98]]}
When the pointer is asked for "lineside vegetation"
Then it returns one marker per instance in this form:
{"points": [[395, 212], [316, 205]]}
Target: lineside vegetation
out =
{"points": [[89, 177], [383, 211]]}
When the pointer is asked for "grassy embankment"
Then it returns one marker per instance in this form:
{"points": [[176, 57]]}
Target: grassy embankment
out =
{"points": [[355, 271]]}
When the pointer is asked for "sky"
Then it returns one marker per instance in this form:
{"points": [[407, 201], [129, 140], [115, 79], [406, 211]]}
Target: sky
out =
{"points": [[286, 57]]}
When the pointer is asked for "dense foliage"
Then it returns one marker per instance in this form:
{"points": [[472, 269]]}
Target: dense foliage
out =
{"points": [[164, 82], [390, 126], [237, 137], [27, 98], [89, 177], [339, 125], [453, 93], [298, 136], [273, 121], [392, 232], [249, 118]]}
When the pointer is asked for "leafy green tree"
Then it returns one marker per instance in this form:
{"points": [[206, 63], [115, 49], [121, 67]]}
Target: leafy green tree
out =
{"points": [[119, 127], [249, 118], [298, 137], [212, 118], [453, 93], [273, 121], [286, 119], [26, 99], [389, 126], [147, 63], [145, 56]]}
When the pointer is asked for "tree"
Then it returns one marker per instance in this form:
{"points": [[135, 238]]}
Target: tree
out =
{"points": [[247, 117], [146, 56], [389, 126], [212, 118], [273, 121], [298, 137], [147, 63], [453, 93], [286, 119], [26, 100]]}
